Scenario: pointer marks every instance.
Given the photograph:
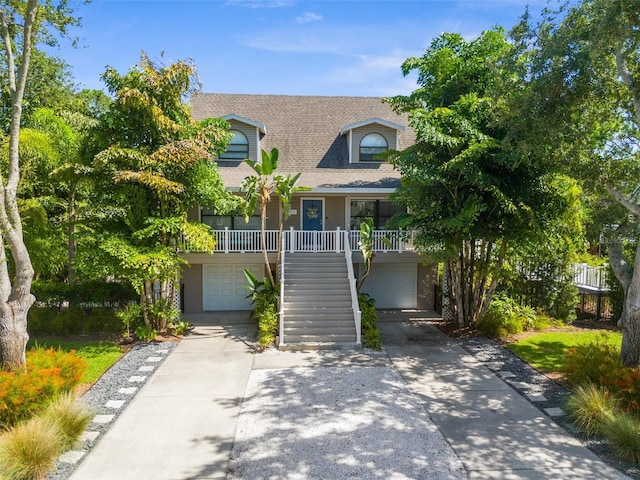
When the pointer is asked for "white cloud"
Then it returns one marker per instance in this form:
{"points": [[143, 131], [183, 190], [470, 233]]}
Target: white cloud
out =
{"points": [[308, 17]]}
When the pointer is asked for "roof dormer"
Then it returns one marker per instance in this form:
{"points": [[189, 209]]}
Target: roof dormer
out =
{"points": [[368, 138], [245, 140]]}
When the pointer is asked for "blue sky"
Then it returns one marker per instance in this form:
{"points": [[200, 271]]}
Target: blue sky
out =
{"points": [[329, 47]]}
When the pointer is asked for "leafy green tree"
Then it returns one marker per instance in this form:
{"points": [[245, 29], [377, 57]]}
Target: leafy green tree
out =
{"points": [[161, 162], [20, 24], [584, 71], [471, 191]]}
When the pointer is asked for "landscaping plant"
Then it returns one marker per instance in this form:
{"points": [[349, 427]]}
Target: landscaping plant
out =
{"points": [[30, 449], [590, 407], [622, 431], [25, 392], [70, 415], [369, 320]]}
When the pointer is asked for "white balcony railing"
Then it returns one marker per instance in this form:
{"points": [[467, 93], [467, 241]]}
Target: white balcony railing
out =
{"points": [[249, 241], [589, 277]]}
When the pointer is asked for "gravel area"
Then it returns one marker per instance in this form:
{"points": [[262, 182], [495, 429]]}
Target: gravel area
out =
{"points": [[110, 395], [337, 422], [517, 373]]}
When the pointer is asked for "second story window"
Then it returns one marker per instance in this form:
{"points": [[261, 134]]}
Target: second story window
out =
{"points": [[371, 145], [238, 148]]}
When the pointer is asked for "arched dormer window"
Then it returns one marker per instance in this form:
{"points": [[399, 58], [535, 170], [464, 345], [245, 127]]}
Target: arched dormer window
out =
{"points": [[238, 148], [371, 145]]}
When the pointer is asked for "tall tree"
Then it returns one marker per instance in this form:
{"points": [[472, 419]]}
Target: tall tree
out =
{"points": [[470, 192], [161, 161], [20, 24], [584, 68]]}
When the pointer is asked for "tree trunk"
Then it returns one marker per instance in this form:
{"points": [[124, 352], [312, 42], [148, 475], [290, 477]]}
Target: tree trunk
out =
{"points": [[630, 318], [72, 240], [13, 332]]}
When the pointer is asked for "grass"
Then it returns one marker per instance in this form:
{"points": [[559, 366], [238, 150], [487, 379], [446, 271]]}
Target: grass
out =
{"points": [[100, 355], [545, 351]]}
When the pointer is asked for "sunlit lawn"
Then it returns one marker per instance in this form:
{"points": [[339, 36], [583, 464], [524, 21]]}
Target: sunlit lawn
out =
{"points": [[100, 355], [545, 350]]}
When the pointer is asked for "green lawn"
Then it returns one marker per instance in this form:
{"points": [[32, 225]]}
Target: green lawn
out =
{"points": [[545, 351], [100, 355]]}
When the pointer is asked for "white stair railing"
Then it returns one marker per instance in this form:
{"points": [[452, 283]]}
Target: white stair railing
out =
{"points": [[357, 314], [281, 266]]}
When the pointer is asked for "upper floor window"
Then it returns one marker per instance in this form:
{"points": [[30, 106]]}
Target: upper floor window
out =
{"points": [[371, 145], [238, 148]]}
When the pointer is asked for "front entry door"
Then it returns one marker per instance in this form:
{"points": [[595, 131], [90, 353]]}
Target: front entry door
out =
{"points": [[312, 214], [312, 224]]}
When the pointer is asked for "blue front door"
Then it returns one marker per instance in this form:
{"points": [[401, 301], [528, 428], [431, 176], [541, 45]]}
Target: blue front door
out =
{"points": [[312, 214]]}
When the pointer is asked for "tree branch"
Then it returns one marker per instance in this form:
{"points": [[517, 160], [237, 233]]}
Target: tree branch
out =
{"points": [[622, 200]]}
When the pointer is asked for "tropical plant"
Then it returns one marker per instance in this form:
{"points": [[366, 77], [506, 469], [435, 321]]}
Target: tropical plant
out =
{"points": [[258, 189], [366, 249], [369, 320]]}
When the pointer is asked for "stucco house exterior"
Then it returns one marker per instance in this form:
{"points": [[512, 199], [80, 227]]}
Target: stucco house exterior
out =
{"points": [[332, 141]]}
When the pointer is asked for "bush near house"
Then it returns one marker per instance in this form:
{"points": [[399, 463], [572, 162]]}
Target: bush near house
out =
{"points": [[506, 317], [369, 321]]}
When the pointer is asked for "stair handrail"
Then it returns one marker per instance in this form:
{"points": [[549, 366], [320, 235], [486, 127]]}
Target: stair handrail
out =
{"points": [[357, 314], [281, 266]]}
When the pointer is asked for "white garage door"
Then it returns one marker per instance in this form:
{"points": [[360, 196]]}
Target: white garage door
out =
{"points": [[393, 285], [223, 286]]}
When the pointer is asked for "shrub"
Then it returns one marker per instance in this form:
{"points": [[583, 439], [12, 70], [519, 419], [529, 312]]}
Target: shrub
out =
{"points": [[369, 321], [590, 407], [622, 431], [506, 317], [267, 325], [74, 320], [23, 393], [70, 416], [145, 333], [591, 362], [30, 449]]}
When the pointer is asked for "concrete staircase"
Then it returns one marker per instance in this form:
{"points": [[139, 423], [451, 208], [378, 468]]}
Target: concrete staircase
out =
{"points": [[318, 313]]}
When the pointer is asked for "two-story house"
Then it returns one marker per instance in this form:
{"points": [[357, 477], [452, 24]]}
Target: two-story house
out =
{"points": [[333, 142]]}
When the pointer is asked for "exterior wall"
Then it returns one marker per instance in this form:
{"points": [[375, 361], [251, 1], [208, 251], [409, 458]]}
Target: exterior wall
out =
{"points": [[334, 212], [427, 280], [358, 134], [192, 288]]}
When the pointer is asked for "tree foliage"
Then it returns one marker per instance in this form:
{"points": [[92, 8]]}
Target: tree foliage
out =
{"points": [[156, 162], [473, 191], [584, 70]]}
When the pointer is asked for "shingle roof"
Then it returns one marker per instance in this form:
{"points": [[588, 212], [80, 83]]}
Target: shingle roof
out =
{"points": [[307, 132]]}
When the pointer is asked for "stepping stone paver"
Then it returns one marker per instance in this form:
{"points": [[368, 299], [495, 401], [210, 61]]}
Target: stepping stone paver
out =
{"points": [[89, 436], [506, 374], [154, 359], [138, 378], [536, 397], [555, 412], [103, 418], [128, 390], [72, 456], [146, 368], [115, 403]]}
